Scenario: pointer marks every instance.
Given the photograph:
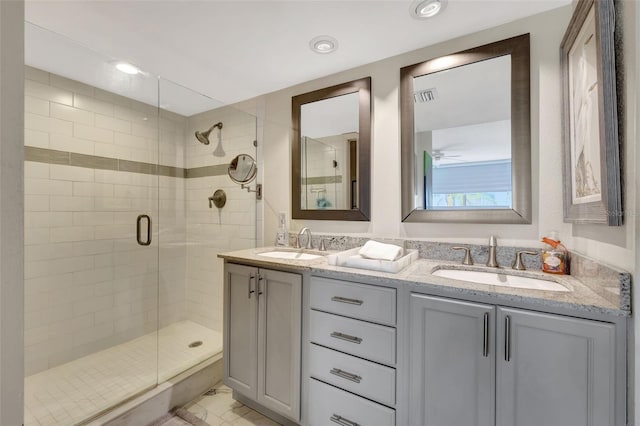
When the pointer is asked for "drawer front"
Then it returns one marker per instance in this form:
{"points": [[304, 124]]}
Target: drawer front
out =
{"points": [[330, 406], [356, 375], [370, 341], [361, 301]]}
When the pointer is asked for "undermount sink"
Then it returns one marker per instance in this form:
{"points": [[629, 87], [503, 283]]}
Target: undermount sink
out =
{"points": [[500, 279], [291, 255]]}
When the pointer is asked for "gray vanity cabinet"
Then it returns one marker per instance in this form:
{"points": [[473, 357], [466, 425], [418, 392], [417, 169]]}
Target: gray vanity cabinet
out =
{"points": [[554, 370], [262, 332], [536, 369], [452, 362]]}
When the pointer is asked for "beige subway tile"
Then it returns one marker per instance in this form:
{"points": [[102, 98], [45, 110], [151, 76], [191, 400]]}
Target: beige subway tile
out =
{"points": [[36, 203], [130, 141], [74, 233], [144, 130], [105, 150], [47, 187], [136, 116], [76, 174], [36, 138], [36, 106], [108, 232], [71, 85], [71, 144], [109, 204], [91, 189], [69, 113], [47, 219], [92, 133], [47, 124], [112, 123], [112, 98], [92, 247], [36, 236], [88, 103], [92, 218], [35, 74], [45, 91], [71, 204], [35, 170]]}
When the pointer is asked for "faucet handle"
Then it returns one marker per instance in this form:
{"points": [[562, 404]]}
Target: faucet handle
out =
{"points": [[322, 245], [467, 255], [518, 265]]}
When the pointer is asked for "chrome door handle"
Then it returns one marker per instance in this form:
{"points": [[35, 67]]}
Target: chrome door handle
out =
{"points": [[346, 300], [260, 279], [342, 421], [345, 375], [485, 338], [347, 337], [139, 231], [249, 291], [507, 338]]}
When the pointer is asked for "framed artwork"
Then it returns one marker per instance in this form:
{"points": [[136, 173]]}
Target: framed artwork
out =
{"points": [[591, 163]]}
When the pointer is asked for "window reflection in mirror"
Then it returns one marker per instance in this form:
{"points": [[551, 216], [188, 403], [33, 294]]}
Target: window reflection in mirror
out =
{"points": [[462, 125], [329, 135], [466, 136]]}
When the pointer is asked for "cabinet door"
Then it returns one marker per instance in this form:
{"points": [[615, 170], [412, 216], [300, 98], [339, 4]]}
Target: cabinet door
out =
{"points": [[241, 329], [554, 370], [452, 362], [279, 337]]}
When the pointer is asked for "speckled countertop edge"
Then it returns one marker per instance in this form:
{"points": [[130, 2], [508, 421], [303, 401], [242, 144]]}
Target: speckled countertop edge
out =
{"points": [[581, 298]]}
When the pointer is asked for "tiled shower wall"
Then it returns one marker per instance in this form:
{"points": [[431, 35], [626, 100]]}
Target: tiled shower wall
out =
{"points": [[211, 230], [88, 285]]}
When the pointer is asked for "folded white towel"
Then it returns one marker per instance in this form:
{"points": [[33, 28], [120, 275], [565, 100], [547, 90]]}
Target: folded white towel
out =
{"points": [[380, 251]]}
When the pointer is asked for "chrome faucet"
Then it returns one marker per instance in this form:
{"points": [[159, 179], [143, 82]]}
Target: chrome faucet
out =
{"points": [[308, 232], [492, 262]]}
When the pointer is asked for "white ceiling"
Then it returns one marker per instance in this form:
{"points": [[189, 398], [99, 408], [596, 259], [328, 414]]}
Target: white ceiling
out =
{"points": [[235, 50]]}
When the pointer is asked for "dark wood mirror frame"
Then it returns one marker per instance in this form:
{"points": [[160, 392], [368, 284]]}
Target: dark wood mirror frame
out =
{"points": [[363, 210], [518, 48]]}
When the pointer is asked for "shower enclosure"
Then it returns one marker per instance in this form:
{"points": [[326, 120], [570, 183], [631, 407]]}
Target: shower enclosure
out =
{"points": [[123, 288]]}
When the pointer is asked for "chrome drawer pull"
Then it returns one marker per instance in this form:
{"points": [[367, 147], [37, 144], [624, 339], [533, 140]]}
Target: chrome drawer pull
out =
{"points": [[345, 375], [342, 421], [346, 300], [348, 338]]}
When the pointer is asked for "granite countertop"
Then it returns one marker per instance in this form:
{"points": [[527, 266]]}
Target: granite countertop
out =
{"points": [[581, 297]]}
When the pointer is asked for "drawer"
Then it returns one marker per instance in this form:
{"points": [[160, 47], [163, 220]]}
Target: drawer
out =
{"points": [[363, 339], [329, 405], [365, 378], [361, 301]]}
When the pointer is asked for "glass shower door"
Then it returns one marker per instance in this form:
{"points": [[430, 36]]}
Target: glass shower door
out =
{"points": [[91, 235]]}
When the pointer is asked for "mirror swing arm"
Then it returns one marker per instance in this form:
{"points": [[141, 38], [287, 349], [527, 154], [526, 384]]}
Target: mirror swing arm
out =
{"points": [[362, 210], [521, 204]]}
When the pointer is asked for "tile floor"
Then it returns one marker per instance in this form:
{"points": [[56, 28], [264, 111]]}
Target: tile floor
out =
{"points": [[72, 392], [220, 409]]}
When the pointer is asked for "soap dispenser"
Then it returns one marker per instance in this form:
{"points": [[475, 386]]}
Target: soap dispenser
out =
{"points": [[555, 256], [282, 236]]}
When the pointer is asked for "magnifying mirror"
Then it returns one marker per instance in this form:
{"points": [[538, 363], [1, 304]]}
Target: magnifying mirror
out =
{"points": [[243, 169]]}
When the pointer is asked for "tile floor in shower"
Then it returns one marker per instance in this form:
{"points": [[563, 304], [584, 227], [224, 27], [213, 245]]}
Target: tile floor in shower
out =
{"points": [[72, 392]]}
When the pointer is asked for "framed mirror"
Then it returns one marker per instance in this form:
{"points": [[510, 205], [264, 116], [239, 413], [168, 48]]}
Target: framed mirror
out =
{"points": [[466, 136], [331, 153]]}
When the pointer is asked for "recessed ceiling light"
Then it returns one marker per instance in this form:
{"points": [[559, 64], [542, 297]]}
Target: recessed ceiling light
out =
{"points": [[323, 44], [422, 9], [127, 68]]}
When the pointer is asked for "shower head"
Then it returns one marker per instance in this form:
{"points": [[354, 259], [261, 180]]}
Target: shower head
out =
{"points": [[203, 137]]}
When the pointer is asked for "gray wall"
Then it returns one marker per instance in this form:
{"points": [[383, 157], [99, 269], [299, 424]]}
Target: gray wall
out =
{"points": [[11, 210]]}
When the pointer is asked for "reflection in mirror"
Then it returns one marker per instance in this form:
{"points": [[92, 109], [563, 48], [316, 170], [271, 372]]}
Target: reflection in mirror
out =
{"points": [[242, 169], [466, 136], [462, 121], [329, 140], [331, 150]]}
